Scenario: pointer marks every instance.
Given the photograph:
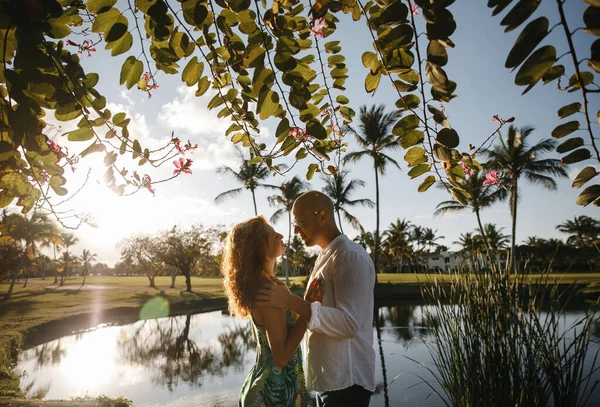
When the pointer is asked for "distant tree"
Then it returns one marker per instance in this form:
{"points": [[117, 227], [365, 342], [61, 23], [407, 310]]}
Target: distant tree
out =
{"points": [[340, 188], [143, 253], [87, 258]]}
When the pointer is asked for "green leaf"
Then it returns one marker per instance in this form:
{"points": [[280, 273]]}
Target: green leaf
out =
{"points": [[372, 82], [283, 129], [192, 72], [459, 196], [438, 116], [83, 134], [535, 67], [120, 46], [498, 5], [120, 120], [16, 183], [418, 170], [93, 148], [98, 6], [584, 176], [588, 195], [414, 155], [519, 13], [595, 3], [301, 154], [203, 85], [594, 61], [586, 79], [448, 137], [569, 145], [436, 53], [565, 129], [442, 153], [576, 156], [411, 138], [342, 100], [311, 171], [526, 42], [409, 101], [405, 125], [255, 57], [268, 103], [116, 31], [131, 71], [56, 182], [104, 21], [216, 101], [553, 73], [568, 110], [427, 182], [591, 19], [315, 129]]}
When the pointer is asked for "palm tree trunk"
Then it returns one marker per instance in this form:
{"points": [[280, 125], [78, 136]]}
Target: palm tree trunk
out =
{"points": [[254, 201], [340, 221], [513, 197], [84, 276], [383, 368], [13, 280], [483, 236], [376, 254], [287, 250]]}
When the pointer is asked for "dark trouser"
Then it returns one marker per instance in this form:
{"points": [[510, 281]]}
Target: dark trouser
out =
{"points": [[353, 396]]}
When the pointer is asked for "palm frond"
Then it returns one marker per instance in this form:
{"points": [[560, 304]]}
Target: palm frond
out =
{"points": [[223, 196]]}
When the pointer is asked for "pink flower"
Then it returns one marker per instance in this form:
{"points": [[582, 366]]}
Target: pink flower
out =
{"points": [[336, 129], [443, 109], [496, 118], [149, 87], [299, 134], [325, 112], [182, 165], [317, 28], [492, 178], [147, 183], [178, 146], [55, 148], [45, 177], [415, 10], [189, 147], [466, 169], [74, 159]]}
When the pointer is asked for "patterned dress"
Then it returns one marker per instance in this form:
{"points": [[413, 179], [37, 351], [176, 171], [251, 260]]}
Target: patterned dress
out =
{"points": [[268, 384]]}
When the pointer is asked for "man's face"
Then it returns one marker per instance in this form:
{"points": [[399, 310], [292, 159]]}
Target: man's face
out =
{"points": [[306, 225]]}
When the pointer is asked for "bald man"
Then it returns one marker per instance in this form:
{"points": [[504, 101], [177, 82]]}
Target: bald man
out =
{"points": [[340, 359]]}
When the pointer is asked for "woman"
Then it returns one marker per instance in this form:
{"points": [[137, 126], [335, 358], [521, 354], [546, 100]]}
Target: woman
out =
{"points": [[277, 377]]}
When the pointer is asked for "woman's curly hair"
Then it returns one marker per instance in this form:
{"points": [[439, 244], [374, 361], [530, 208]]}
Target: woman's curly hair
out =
{"points": [[244, 264]]}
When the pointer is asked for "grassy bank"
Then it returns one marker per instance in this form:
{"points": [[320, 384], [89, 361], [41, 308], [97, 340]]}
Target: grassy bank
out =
{"points": [[35, 306]]}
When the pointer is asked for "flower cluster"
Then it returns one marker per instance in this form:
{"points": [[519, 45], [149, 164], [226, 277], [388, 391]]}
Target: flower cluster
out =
{"points": [[63, 152], [187, 147], [182, 165], [86, 47], [299, 134], [144, 84], [146, 181], [317, 27], [496, 118]]}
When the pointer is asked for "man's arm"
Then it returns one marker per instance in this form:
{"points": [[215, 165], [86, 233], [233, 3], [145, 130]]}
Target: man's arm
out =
{"points": [[353, 285]]}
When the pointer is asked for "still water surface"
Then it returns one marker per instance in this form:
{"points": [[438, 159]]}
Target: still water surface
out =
{"points": [[203, 359]]}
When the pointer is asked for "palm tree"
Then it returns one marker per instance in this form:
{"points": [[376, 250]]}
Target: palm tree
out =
{"points": [[466, 241], [396, 241], [583, 230], [417, 235], [66, 263], [87, 258], [533, 241], [496, 239], [29, 231], [374, 138], [249, 175], [429, 237], [517, 158], [366, 240], [482, 196], [339, 189], [290, 190], [68, 240]]}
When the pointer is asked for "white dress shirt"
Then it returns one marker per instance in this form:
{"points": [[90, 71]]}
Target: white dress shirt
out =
{"points": [[339, 341]]}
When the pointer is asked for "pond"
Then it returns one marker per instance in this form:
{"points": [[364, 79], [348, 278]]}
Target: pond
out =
{"points": [[203, 359]]}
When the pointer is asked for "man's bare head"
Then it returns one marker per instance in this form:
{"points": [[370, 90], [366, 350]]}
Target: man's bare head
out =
{"points": [[314, 218]]}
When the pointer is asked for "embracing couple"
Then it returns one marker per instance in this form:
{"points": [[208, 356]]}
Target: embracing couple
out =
{"points": [[335, 317]]}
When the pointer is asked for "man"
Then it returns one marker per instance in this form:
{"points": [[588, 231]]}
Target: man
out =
{"points": [[340, 359]]}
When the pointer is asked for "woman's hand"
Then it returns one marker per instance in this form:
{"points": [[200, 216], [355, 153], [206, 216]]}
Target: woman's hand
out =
{"points": [[315, 291]]}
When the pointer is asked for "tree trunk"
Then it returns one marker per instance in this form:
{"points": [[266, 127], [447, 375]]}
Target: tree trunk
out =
{"points": [[26, 279], [84, 276], [483, 236], [514, 198], [376, 254], [188, 282], [340, 221], [13, 280], [151, 280], [254, 201], [287, 250], [173, 277]]}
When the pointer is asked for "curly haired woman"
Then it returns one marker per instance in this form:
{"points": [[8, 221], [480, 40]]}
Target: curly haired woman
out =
{"points": [[277, 377]]}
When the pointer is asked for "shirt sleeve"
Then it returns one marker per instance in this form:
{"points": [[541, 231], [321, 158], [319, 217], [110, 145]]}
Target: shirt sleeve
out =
{"points": [[353, 281]]}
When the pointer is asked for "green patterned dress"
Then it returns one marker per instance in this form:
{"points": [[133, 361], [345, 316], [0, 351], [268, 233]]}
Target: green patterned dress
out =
{"points": [[268, 384]]}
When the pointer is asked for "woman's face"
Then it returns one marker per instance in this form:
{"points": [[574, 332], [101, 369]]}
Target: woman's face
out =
{"points": [[275, 246]]}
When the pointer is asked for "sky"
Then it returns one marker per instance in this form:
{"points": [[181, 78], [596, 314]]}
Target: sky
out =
{"points": [[485, 88]]}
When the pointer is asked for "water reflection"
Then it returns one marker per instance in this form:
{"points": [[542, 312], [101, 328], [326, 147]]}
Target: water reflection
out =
{"points": [[203, 359]]}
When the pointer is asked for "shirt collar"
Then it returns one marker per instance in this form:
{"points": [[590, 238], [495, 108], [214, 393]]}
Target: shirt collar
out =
{"points": [[337, 240]]}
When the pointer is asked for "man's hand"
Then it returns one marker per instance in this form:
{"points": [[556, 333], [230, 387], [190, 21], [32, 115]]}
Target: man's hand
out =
{"points": [[315, 291], [274, 294]]}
